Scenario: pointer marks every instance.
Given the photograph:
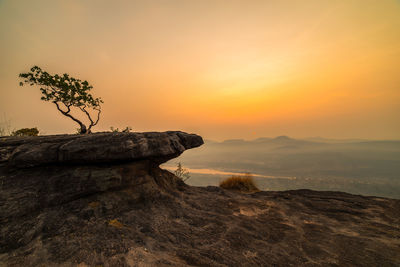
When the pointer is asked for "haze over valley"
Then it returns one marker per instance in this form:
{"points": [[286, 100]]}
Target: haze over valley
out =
{"points": [[283, 163]]}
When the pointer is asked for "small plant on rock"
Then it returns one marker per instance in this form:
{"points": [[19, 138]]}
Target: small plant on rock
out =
{"points": [[182, 173], [117, 130], [5, 127]]}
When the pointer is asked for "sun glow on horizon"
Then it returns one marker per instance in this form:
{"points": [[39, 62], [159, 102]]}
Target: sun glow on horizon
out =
{"points": [[223, 69]]}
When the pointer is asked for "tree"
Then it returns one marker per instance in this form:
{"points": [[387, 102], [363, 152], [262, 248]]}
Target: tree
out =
{"points": [[65, 92]]}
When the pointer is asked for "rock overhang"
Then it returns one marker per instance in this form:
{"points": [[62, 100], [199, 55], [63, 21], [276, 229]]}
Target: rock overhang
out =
{"points": [[95, 148]]}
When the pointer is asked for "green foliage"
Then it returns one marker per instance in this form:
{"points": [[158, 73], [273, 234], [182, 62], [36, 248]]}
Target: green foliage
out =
{"points": [[26, 132], [117, 130], [182, 173], [242, 183], [65, 92], [61, 88]]}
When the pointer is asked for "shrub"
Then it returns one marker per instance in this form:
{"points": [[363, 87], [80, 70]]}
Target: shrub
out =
{"points": [[26, 132], [116, 130], [182, 173], [242, 183]]}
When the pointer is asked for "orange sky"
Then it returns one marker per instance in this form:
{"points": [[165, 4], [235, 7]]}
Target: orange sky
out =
{"points": [[223, 69]]}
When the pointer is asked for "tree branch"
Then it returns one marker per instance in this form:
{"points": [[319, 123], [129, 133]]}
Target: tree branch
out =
{"points": [[87, 113], [66, 113], [98, 118], [68, 107], [92, 123]]}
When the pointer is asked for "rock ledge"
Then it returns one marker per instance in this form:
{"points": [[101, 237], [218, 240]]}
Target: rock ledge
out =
{"points": [[95, 148]]}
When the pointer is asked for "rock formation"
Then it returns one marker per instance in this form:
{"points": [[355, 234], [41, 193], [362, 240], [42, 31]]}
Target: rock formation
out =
{"points": [[95, 148], [102, 200]]}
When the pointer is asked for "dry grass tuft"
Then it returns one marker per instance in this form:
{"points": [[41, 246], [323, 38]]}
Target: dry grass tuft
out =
{"points": [[115, 223], [243, 183], [94, 204]]}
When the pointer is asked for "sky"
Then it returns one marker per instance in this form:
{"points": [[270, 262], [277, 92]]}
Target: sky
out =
{"points": [[221, 69]]}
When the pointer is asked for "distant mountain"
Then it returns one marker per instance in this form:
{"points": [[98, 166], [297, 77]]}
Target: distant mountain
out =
{"points": [[283, 138], [262, 139], [328, 140], [286, 139], [234, 141], [208, 141]]}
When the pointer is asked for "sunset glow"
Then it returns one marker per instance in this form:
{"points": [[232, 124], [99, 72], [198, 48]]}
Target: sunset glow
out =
{"points": [[222, 69]]}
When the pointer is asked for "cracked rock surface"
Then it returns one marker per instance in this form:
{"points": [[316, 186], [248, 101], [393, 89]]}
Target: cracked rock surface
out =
{"points": [[119, 208]]}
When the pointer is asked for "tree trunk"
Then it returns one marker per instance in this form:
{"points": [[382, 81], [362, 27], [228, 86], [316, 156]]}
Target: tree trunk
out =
{"points": [[66, 113], [84, 130]]}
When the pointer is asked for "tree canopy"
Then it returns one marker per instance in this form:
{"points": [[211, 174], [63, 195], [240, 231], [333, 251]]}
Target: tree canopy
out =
{"points": [[65, 92]]}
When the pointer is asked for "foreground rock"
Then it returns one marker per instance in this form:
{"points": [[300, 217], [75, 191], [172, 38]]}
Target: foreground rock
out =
{"points": [[129, 212]]}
